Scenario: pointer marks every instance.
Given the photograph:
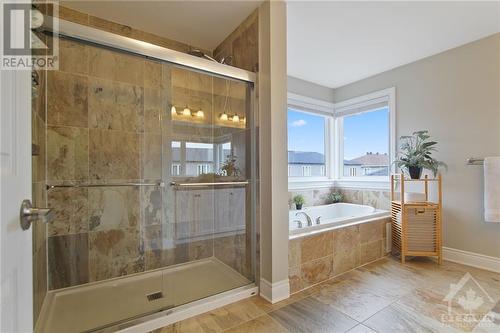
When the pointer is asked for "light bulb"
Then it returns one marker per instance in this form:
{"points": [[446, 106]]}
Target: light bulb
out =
{"points": [[173, 110], [223, 116], [200, 114], [186, 112], [236, 119]]}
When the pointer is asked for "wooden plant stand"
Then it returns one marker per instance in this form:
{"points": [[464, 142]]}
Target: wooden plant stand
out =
{"points": [[416, 226]]}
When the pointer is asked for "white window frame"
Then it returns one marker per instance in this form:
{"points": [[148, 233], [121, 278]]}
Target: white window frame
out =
{"points": [[175, 166], [318, 108], [350, 106], [334, 139]]}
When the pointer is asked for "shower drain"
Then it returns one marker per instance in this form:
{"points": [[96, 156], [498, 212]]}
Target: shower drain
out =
{"points": [[154, 296]]}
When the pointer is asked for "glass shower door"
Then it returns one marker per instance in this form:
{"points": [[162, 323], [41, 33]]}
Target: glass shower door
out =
{"points": [[147, 166], [209, 145]]}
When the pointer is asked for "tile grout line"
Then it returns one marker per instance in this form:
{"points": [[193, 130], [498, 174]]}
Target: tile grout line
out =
{"points": [[338, 275]]}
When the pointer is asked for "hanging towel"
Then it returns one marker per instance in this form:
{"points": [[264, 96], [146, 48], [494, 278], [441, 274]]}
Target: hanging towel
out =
{"points": [[492, 189]]}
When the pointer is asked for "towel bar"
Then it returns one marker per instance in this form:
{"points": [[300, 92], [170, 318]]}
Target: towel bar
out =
{"points": [[475, 161]]}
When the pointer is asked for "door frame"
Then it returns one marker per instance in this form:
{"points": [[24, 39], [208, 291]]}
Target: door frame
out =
{"points": [[16, 259]]}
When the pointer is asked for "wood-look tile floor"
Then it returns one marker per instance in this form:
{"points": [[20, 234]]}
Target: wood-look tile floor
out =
{"points": [[384, 296]]}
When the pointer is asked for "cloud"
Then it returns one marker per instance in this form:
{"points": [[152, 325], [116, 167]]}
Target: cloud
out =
{"points": [[298, 123]]}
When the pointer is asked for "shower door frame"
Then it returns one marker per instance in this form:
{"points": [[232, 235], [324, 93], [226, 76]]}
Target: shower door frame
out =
{"points": [[116, 42]]}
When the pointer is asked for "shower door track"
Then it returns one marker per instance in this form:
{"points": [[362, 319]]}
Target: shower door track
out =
{"points": [[95, 36]]}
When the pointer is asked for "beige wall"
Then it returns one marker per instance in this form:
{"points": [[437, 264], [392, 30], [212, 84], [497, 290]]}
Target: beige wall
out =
{"points": [[456, 96], [309, 89]]}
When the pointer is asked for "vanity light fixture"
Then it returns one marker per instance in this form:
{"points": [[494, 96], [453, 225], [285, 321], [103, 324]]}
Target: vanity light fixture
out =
{"points": [[236, 118], [200, 114], [186, 112], [223, 116], [173, 110]]}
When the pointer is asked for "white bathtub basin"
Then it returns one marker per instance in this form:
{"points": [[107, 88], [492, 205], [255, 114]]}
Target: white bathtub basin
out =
{"points": [[331, 216]]}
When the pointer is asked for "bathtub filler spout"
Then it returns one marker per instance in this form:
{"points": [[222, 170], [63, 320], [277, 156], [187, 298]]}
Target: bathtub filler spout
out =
{"points": [[308, 218], [318, 220]]}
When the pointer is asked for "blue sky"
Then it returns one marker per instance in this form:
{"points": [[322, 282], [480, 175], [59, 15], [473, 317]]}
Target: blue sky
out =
{"points": [[362, 133], [305, 132]]}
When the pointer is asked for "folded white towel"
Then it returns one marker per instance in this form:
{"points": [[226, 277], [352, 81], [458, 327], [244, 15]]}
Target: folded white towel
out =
{"points": [[492, 189]]}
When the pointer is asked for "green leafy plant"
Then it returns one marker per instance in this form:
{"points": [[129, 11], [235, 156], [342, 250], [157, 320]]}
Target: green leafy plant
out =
{"points": [[335, 197], [415, 152], [229, 167], [299, 200]]}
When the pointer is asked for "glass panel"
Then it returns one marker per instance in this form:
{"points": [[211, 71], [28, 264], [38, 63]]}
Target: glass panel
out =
{"points": [[213, 146], [133, 250], [306, 144], [366, 144]]}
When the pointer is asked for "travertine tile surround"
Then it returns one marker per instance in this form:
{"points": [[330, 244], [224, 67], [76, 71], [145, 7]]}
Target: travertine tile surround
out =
{"points": [[104, 125], [316, 258], [335, 252], [379, 199]]}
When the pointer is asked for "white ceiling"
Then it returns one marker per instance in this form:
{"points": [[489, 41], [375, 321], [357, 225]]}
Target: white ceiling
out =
{"points": [[201, 23], [336, 43]]}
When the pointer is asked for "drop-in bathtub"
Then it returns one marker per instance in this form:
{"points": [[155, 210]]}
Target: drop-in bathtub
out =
{"points": [[331, 217]]}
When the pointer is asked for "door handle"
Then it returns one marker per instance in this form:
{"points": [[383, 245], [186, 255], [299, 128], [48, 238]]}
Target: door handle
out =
{"points": [[29, 214]]}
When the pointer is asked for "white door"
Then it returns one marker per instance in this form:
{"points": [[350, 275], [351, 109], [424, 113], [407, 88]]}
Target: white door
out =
{"points": [[16, 296]]}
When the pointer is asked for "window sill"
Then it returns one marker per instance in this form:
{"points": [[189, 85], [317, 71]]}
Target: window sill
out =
{"points": [[369, 184]]}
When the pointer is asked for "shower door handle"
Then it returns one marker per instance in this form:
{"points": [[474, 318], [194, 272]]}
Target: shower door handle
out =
{"points": [[29, 214]]}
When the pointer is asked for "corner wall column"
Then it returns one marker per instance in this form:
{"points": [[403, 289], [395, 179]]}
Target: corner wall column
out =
{"points": [[273, 157]]}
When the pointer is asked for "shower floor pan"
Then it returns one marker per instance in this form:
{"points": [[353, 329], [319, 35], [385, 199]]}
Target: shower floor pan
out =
{"points": [[97, 305]]}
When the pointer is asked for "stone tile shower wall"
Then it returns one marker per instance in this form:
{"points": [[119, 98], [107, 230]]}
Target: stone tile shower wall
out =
{"points": [[103, 126], [106, 123], [242, 45], [316, 258]]}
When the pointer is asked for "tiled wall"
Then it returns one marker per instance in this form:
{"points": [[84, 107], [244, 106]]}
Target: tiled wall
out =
{"points": [[316, 258], [242, 44], [103, 125], [379, 199], [314, 197]]}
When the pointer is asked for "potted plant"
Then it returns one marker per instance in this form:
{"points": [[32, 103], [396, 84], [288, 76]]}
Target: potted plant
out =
{"points": [[229, 167], [415, 154], [335, 197], [299, 200]]}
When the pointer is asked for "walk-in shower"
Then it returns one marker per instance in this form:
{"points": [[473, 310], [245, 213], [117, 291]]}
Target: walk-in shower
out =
{"points": [[149, 168]]}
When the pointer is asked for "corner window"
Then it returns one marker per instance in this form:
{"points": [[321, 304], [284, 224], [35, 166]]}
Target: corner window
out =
{"points": [[306, 144], [349, 143]]}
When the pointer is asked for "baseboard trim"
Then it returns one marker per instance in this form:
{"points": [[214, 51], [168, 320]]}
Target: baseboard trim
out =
{"points": [[274, 292], [472, 259]]}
